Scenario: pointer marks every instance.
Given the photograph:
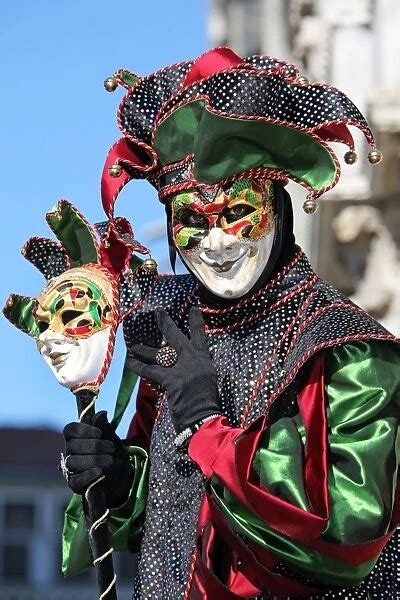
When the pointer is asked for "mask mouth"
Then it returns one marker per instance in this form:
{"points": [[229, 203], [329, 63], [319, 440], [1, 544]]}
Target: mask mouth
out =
{"points": [[225, 265], [58, 359]]}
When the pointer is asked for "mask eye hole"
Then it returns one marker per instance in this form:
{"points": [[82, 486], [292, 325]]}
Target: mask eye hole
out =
{"points": [[83, 322], [68, 315], [42, 326], [239, 211], [190, 218], [59, 304]]}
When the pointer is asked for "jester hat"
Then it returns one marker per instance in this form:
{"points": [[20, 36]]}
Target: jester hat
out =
{"points": [[99, 258], [220, 117]]}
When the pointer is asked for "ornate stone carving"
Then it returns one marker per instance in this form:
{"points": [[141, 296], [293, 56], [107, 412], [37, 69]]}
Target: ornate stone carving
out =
{"points": [[372, 257]]}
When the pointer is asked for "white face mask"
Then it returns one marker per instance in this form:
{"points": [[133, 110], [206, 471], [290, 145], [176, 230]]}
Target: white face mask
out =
{"points": [[227, 238], [227, 265], [74, 361]]}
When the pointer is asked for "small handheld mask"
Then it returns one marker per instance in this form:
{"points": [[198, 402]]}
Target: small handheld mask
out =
{"points": [[75, 317]]}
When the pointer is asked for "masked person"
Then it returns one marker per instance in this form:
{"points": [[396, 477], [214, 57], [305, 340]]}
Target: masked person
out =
{"points": [[262, 459]]}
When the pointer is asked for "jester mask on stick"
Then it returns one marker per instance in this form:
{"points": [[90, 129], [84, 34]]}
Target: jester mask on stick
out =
{"points": [[75, 317]]}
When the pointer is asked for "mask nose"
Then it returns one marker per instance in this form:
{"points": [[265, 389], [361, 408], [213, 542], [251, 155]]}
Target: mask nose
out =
{"points": [[219, 242], [48, 340]]}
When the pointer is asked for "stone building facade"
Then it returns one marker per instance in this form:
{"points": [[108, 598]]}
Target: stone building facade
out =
{"points": [[353, 241]]}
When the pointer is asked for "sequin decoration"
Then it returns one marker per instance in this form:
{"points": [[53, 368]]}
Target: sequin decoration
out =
{"points": [[258, 346]]}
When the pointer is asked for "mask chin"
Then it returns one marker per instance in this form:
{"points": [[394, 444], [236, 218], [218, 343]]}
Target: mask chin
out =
{"points": [[74, 361], [228, 266]]}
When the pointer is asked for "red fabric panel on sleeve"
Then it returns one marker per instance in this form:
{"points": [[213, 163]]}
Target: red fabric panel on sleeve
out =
{"points": [[139, 433], [214, 437]]}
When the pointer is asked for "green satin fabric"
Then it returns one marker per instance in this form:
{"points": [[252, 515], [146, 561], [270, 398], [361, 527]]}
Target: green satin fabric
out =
{"points": [[363, 398], [125, 522], [74, 233], [225, 146], [20, 314], [126, 387]]}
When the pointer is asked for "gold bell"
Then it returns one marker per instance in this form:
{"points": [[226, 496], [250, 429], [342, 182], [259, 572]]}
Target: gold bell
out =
{"points": [[310, 206], [110, 84], [302, 80], [375, 156], [149, 265], [350, 157], [115, 170]]}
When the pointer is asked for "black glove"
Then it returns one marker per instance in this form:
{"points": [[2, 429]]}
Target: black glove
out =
{"points": [[94, 450], [192, 382]]}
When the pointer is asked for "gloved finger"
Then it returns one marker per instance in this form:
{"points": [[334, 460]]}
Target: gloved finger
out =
{"points": [[80, 482], [81, 447], [145, 354], [170, 330], [101, 421], [153, 372], [197, 332], [77, 464], [81, 431]]}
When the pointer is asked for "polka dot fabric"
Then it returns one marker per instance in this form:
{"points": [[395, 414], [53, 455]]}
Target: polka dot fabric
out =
{"points": [[261, 87], [258, 346], [140, 107], [47, 255], [274, 97]]}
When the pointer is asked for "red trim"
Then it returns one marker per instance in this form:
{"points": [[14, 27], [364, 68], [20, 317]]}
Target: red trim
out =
{"points": [[254, 317]]}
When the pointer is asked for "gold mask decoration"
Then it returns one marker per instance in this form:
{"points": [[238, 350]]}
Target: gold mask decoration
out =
{"points": [[76, 304]]}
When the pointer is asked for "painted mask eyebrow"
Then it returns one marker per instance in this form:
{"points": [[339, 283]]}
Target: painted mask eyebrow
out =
{"points": [[244, 209]]}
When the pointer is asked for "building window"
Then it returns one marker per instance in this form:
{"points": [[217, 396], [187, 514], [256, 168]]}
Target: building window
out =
{"points": [[15, 563], [19, 516]]}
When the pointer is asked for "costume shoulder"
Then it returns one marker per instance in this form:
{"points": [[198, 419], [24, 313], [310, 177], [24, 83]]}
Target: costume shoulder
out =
{"points": [[172, 292], [329, 319]]}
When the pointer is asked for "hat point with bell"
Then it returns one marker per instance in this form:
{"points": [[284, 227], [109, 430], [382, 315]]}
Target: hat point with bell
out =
{"points": [[110, 84], [375, 156], [149, 265]]}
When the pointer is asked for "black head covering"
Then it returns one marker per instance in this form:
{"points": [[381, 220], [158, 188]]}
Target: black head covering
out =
{"points": [[282, 252]]}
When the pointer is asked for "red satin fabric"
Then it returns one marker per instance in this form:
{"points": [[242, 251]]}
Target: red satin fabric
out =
{"points": [[139, 433], [135, 157], [228, 453], [211, 62], [335, 132]]}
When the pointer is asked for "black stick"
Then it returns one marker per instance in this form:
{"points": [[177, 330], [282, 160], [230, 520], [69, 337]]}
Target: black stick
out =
{"points": [[96, 507]]}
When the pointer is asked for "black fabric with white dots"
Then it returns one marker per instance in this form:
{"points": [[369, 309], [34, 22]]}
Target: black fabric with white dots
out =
{"points": [[269, 328]]}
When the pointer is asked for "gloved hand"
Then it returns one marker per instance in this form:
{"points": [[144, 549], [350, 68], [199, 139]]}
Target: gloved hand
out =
{"points": [[191, 382], [93, 450]]}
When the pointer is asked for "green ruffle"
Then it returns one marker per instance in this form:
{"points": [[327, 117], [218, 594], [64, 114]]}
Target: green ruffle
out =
{"points": [[125, 522], [226, 146], [74, 233], [363, 398], [19, 311]]}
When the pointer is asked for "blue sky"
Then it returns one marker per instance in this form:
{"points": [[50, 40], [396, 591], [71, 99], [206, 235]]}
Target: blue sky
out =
{"points": [[57, 124]]}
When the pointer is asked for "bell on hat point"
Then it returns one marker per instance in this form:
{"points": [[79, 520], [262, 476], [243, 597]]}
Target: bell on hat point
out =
{"points": [[375, 156], [115, 170], [149, 265], [302, 80], [110, 84], [350, 157], [310, 206]]}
